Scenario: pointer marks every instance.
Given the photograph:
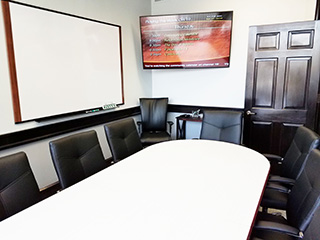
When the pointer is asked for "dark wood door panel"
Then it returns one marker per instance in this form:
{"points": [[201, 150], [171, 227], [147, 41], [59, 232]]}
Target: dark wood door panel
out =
{"points": [[271, 137], [278, 115], [302, 39], [261, 137], [282, 84], [265, 76], [296, 82], [287, 132], [267, 41]]}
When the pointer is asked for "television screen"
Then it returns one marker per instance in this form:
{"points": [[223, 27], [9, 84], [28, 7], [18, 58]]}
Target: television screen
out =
{"points": [[197, 40]]}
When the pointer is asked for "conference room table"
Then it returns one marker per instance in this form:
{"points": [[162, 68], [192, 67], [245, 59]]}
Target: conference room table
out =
{"points": [[176, 190]]}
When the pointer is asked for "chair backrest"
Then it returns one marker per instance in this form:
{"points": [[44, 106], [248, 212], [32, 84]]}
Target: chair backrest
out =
{"points": [[304, 198], [76, 157], [294, 160], [18, 187], [123, 138], [313, 230], [222, 125], [154, 114]]}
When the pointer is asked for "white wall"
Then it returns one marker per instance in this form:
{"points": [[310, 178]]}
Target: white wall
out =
{"points": [[137, 83], [122, 12], [223, 87], [209, 87]]}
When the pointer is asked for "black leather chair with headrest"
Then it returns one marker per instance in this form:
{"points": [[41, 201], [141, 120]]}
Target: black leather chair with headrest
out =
{"points": [[312, 232], [77, 157], [222, 126], [302, 143], [303, 204], [154, 121], [18, 187], [278, 186], [123, 138]]}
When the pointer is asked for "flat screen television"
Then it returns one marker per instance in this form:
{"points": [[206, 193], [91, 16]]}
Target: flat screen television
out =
{"points": [[195, 40]]}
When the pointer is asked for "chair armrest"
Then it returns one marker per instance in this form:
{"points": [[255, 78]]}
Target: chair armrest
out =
{"points": [[139, 123], [170, 126], [283, 180], [278, 187], [278, 227], [273, 158]]}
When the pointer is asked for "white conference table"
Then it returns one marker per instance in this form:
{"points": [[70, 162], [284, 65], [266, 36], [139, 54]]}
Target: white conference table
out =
{"points": [[177, 190]]}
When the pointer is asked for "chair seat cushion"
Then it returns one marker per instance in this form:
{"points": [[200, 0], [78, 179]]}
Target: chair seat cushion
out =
{"points": [[283, 180], [154, 137], [274, 199], [271, 235], [273, 227], [278, 187], [271, 217]]}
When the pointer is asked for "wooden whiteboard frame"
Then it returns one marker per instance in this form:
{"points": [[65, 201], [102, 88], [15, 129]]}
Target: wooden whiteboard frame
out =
{"points": [[12, 60]]}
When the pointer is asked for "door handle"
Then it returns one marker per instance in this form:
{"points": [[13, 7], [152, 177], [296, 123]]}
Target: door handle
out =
{"points": [[249, 113]]}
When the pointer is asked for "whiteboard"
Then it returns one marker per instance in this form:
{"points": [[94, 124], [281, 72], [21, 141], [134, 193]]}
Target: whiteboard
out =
{"points": [[64, 63]]}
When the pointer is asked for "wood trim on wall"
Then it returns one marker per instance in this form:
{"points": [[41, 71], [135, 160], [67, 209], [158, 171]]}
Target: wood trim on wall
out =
{"points": [[39, 133], [11, 61], [35, 134], [317, 13], [317, 115], [190, 108]]}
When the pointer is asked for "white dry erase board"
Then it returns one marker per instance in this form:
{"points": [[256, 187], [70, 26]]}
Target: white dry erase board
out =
{"points": [[60, 63]]}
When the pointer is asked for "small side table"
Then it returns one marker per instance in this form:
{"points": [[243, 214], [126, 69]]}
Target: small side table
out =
{"points": [[181, 129]]}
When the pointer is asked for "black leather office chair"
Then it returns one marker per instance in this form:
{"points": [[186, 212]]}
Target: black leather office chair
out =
{"points": [[153, 124], [303, 202], [77, 157], [303, 142], [222, 126], [123, 138], [18, 187], [312, 232], [278, 186]]}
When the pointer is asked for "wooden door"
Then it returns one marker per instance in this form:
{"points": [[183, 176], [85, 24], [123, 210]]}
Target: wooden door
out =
{"points": [[281, 85]]}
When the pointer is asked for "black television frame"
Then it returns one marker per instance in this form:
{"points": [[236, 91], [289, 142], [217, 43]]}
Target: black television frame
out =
{"points": [[193, 17]]}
